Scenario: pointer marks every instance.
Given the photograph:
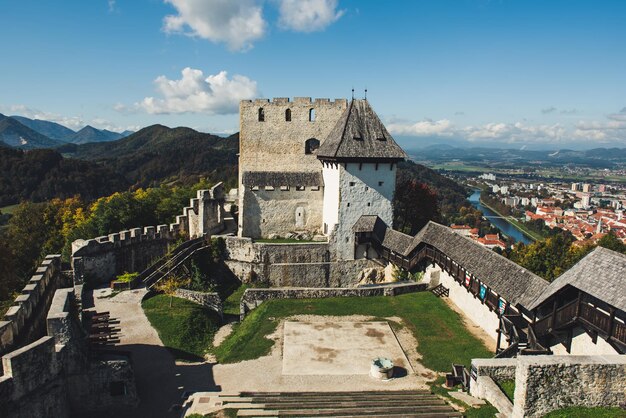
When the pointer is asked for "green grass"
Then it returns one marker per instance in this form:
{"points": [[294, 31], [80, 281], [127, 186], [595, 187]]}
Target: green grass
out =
{"points": [[441, 335], [231, 304], [8, 210], [186, 328], [580, 412], [508, 387], [485, 411]]}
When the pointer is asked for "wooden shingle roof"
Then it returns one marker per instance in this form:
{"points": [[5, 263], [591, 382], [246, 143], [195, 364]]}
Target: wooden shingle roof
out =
{"points": [[360, 135], [601, 273]]}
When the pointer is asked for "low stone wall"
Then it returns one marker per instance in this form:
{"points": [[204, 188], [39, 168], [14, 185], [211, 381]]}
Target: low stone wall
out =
{"points": [[547, 383], [292, 265], [24, 322], [252, 298], [211, 300]]}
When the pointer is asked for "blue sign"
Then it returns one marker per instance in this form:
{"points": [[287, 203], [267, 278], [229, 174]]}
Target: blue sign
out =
{"points": [[483, 291], [501, 306]]}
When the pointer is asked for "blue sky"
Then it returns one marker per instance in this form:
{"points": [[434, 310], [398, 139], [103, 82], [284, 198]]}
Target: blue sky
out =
{"points": [[516, 73]]}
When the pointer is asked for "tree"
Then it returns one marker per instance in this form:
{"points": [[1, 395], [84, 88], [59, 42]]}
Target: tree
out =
{"points": [[171, 284], [611, 242], [414, 205]]}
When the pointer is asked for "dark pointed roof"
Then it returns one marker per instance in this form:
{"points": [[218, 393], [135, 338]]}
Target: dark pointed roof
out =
{"points": [[360, 135], [601, 273]]}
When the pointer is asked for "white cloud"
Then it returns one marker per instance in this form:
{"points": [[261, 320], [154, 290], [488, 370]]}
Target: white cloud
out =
{"points": [[236, 23], [619, 116], [423, 128], [111, 4], [195, 93], [308, 15]]}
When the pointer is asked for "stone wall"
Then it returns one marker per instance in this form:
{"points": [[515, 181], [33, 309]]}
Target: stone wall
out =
{"points": [[103, 258], [24, 322], [210, 300], [298, 265], [54, 376], [277, 144], [547, 383], [279, 212], [252, 298], [473, 308]]}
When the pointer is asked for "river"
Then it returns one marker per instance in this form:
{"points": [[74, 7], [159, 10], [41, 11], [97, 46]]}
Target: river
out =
{"points": [[505, 227]]}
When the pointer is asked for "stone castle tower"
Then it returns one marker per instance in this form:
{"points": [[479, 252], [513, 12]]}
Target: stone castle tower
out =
{"points": [[314, 166]]}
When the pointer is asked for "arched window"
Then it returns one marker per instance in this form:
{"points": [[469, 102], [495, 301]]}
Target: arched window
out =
{"points": [[311, 145], [311, 115], [261, 115], [288, 115]]}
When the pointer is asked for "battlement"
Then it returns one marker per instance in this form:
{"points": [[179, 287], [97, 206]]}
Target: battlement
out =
{"points": [[19, 320], [297, 101], [103, 258]]}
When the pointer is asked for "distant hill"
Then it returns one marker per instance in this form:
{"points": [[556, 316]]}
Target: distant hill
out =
{"points": [[595, 158], [42, 174], [15, 134], [90, 134], [158, 153], [52, 130]]}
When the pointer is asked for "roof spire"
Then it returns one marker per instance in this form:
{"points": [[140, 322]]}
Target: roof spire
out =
{"points": [[352, 93], [365, 93]]}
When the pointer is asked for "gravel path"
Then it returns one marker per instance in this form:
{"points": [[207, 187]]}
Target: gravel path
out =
{"points": [[160, 380]]}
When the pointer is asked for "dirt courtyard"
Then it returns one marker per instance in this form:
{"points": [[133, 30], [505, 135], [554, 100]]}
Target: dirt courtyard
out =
{"points": [[338, 348]]}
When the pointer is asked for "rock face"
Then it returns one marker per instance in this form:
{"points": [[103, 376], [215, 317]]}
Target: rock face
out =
{"points": [[371, 275]]}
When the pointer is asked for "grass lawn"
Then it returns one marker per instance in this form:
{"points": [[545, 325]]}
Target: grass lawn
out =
{"points": [[579, 412], [186, 328], [441, 335], [9, 209], [508, 387], [231, 304]]}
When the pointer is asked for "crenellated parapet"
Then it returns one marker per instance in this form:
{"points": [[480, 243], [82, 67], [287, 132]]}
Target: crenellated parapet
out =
{"points": [[103, 258], [21, 323]]}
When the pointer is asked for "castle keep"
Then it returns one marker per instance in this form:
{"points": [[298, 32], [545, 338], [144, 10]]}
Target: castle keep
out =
{"points": [[314, 167]]}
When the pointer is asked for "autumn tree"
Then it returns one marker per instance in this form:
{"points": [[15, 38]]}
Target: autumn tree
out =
{"points": [[414, 205]]}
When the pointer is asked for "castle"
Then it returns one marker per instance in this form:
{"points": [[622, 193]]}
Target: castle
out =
{"points": [[314, 167]]}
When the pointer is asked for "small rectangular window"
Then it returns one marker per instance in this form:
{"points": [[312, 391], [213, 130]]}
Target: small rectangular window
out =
{"points": [[352, 183], [366, 188], [254, 188], [299, 188], [269, 188], [376, 166], [284, 188], [380, 183], [360, 166], [348, 204], [391, 167], [369, 204], [315, 188]]}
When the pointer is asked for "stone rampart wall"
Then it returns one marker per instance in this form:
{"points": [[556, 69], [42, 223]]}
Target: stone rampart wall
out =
{"points": [[297, 265], [24, 322], [103, 258], [210, 300], [547, 383], [252, 298]]}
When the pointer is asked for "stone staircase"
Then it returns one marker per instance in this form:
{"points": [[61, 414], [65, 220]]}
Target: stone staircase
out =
{"points": [[335, 404]]}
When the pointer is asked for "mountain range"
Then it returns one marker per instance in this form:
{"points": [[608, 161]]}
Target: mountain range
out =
{"points": [[25, 133], [151, 156]]}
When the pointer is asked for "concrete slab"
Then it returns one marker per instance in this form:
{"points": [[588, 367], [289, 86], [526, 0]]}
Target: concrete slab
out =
{"points": [[338, 348]]}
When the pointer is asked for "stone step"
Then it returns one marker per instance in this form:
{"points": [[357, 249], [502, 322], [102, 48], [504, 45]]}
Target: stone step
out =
{"points": [[380, 410], [364, 398], [330, 394], [349, 404], [416, 414]]}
